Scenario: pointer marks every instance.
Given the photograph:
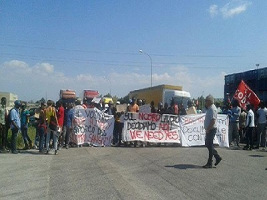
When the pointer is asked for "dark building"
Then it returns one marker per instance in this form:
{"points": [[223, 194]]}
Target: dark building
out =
{"points": [[256, 79]]}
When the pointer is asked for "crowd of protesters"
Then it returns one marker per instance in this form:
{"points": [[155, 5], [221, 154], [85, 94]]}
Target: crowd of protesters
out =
{"points": [[54, 123], [247, 125]]}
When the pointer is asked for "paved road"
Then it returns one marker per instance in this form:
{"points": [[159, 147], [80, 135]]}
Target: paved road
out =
{"points": [[133, 173]]}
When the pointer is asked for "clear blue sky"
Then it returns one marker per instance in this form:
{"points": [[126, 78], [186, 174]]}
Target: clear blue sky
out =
{"points": [[48, 45]]}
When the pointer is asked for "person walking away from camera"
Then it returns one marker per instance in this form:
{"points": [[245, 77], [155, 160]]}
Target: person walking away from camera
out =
{"points": [[3, 114], [250, 125], [210, 125], [261, 125], [24, 117], [15, 125], [42, 128], [69, 124], [51, 113], [234, 123], [60, 118]]}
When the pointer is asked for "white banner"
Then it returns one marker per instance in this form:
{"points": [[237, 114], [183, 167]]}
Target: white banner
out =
{"points": [[151, 127], [187, 130], [193, 132], [92, 126]]}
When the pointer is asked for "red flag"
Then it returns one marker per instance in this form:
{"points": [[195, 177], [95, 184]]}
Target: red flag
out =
{"points": [[245, 96]]}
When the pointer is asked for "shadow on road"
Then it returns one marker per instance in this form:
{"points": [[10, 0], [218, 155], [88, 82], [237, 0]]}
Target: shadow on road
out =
{"points": [[257, 156], [31, 152], [185, 166]]}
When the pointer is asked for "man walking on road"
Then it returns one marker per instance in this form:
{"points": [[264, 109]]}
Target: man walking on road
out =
{"points": [[210, 125]]}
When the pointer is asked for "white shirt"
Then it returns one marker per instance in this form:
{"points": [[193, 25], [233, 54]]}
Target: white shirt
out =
{"points": [[250, 114]]}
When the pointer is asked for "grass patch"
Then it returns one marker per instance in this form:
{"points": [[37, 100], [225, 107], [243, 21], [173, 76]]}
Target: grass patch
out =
{"points": [[20, 143]]}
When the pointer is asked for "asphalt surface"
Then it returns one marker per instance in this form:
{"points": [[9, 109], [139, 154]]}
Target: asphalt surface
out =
{"points": [[133, 173]]}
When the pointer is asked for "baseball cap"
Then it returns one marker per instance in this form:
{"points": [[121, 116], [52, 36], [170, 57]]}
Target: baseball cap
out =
{"points": [[17, 103]]}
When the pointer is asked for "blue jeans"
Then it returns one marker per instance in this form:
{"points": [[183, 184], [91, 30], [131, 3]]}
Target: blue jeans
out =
{"points": [[55, 138], [41, 131], [209, 144], [25, 136], [14, 139]]}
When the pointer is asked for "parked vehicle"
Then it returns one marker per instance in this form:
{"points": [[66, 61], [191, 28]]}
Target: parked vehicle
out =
{"points": [[89, 95], [67, 96], [162, 93]]}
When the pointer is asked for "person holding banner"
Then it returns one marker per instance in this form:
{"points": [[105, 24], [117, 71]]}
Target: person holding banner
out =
{"points": [[210, 125]]}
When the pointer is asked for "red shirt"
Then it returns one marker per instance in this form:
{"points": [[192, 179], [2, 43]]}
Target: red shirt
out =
{"points": [[60, 116]]}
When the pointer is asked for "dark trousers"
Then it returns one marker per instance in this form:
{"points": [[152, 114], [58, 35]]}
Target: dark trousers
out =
{"points": [[3, 135], [116, 132], [209, 144], [14, 140], [41, 138], [249, 134], [67, 137]]}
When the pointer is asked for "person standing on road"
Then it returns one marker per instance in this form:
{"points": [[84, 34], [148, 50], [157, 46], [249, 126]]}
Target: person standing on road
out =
{"points": [[51, 113], [250, 125], [3, 114], [134, 108], [42, 127], [261, 126], [24, 117], [210, 125], [242, 125], [60, 118], [69, 124], [234, 123], [15, 125]]}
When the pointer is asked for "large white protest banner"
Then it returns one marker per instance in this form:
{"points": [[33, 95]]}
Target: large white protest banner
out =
{"points": [[92, 126], [151, 127], [193, 132], [187, 130]]}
